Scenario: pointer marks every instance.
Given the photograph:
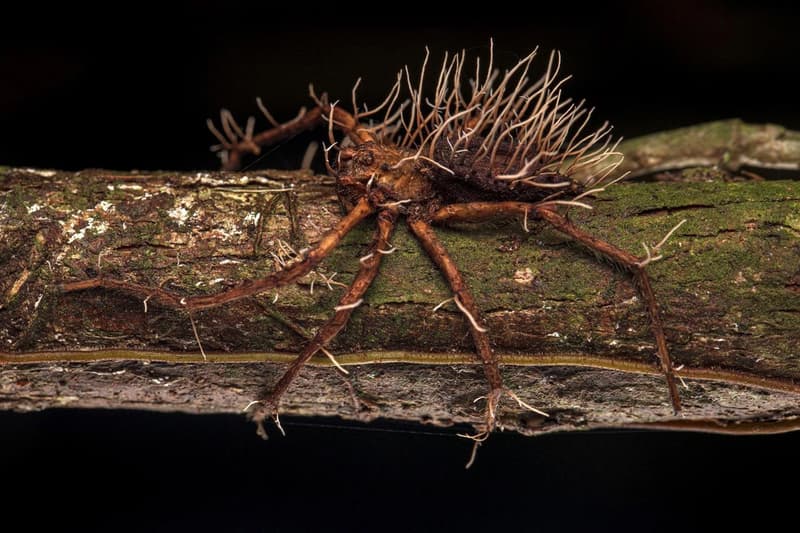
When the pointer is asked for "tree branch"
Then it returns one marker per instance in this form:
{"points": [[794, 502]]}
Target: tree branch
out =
{"points": [[573, 337]]}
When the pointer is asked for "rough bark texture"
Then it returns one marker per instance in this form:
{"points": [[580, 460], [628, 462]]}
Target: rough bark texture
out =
{"points": [[573, 335]]}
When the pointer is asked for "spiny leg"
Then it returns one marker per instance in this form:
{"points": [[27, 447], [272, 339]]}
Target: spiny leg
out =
{"points": [[635, 266], [359, 403], [236, 142], [161, 296], [351, 299], [437, 252], [475, 211]]}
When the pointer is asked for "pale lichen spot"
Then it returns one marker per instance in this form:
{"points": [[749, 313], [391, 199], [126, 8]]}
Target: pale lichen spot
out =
{"points": [[226, 230], [93, 226], [104, 205], [129, 187], [524, 276], [252, 218], [179, 214], [87, 222], [43, 173], [66, 400], [793, 221], [181, 211]]}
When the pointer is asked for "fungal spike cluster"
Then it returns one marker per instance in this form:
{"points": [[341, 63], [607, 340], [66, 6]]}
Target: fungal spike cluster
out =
{"points": [[522, 131]]}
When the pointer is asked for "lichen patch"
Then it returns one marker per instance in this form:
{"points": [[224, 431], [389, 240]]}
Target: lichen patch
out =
{"points": [[524, 276]]}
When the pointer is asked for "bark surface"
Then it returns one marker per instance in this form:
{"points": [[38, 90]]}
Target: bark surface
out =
{"points": [[573, 337]]}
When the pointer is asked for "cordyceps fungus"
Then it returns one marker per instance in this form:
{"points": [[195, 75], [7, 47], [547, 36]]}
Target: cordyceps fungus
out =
{"points": [[490, 145]]}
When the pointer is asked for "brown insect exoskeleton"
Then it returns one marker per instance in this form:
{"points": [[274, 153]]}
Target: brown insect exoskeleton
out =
{"points": [[502, 145]]}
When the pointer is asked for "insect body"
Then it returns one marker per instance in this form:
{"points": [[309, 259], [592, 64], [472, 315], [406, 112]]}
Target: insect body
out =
{"points": [[502, 146]]}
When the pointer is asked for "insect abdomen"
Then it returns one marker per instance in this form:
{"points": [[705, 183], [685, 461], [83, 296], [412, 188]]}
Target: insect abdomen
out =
{"points": [[474, 174]]}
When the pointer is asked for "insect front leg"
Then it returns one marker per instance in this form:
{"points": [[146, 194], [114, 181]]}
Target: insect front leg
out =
{"points": [[352, 298], [249, 288], [235, 142]]}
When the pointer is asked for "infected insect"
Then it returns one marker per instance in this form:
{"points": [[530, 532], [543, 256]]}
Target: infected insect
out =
{"points": [[499, 145]]}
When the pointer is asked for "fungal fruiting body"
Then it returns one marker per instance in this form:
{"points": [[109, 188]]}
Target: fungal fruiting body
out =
{"points": [[498, 144]]}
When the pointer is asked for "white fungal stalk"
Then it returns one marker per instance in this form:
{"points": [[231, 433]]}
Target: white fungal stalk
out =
{"points": [[525, 130]]}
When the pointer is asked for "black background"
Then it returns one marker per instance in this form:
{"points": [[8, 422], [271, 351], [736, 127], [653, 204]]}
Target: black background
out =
{"points": [[130, 86]]}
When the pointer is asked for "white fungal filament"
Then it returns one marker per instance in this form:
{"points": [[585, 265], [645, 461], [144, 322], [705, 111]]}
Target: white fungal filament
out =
{"points": [[469, 315], [525, 405], [441, 304], [529, 121], [669, 234], [345, 307], [277, 420], [393, 204], [333, 360], [251, 404], [569, 203], [197, 338], [649, 257]]}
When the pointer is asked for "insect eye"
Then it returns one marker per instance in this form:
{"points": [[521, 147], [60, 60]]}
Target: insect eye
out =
{"points": [[366, 159]]}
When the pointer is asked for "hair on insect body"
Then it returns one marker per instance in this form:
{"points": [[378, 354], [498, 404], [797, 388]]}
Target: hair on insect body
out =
{"points": [[500, 144]]}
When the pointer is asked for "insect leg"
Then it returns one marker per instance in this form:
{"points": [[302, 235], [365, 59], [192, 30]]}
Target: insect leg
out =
{"points": [[473, 212], [166, 298], [437, 252], [235, 142], [367, 271], [477, 211], [633, 265]]}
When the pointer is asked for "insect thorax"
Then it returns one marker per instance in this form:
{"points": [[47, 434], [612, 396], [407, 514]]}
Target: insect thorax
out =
{"points": [[451, 175], [383, 168]]}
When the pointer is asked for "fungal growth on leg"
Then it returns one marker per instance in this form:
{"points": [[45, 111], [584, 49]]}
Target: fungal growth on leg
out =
{"points": [[481, 143]]}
